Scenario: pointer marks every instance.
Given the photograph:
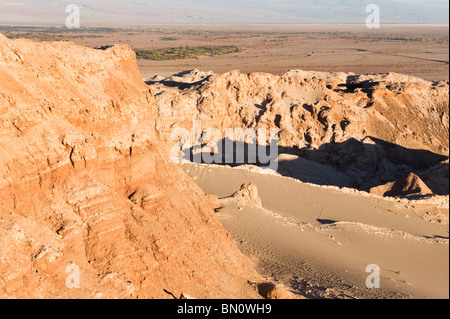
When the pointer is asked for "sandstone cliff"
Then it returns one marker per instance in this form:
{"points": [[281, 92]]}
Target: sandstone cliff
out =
{"points": [[367, 129], [84, 179]]}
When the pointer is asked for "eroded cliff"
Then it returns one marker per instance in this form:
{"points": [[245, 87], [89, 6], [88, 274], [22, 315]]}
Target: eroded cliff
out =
{"points": [[85, 180]]}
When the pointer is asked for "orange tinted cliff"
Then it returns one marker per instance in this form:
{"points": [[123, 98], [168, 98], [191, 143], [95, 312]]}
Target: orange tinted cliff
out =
{"points": [[84, 179]]}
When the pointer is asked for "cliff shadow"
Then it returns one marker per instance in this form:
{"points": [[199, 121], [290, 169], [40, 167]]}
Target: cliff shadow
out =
{"points": [[353, 164]]}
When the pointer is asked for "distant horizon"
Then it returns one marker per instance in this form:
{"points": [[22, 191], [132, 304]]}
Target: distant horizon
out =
{"points": [[104, 25], [219, 12]]}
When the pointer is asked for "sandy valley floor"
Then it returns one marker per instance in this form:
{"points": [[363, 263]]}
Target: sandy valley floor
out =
{"points": [[318, 241]]}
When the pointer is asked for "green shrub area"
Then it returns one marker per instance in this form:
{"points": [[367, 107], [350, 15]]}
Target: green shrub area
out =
{"points": [[169, 39], [187, 52], [42, 36], [50, 33]]}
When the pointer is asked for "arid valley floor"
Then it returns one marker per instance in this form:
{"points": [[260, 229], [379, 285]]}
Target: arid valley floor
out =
{"points": [[419, 50]]}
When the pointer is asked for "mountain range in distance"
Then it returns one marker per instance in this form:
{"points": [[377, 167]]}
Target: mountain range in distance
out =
{"points": [[53, 12]]}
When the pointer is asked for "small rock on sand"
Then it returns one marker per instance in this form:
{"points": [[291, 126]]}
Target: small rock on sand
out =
{"points": [[249, 193]]}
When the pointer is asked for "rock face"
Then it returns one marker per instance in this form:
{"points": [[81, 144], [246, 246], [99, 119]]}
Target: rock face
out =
{"points": [[437, 178], [407, 185], [85, 180], [371, 128], [250, 194], [312, 109], [430, 181]]}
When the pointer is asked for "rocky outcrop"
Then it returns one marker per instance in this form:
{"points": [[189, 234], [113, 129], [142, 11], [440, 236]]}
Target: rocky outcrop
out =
{"points": [[437, 178], [371, 128], [407, 185], [428, 182], [86, 183], [250, 194], [313, 108]]}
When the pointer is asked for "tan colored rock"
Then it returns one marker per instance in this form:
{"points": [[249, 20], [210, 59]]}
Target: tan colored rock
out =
{"points": [[269, 290], [85, 180], [407, 185], [314, 108], [368, 127], [431, 181], [437, 178], [250, 194]]}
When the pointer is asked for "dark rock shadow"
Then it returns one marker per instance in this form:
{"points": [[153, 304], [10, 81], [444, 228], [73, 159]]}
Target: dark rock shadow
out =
{"points": [[437, 237], [327, 221], [353, 164], [177, 84]]}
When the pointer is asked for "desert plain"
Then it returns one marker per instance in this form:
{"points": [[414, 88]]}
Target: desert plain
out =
{"points": [[419, 50]]}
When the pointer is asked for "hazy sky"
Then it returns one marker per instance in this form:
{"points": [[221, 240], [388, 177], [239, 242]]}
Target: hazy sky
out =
{"points": [[223, 11]]}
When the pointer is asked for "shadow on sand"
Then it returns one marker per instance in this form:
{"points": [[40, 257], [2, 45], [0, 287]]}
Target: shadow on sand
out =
{"points": [[353, 164]]}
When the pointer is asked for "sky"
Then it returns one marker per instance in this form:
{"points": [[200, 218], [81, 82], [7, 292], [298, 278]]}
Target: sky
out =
{"points": [[52, 12]]}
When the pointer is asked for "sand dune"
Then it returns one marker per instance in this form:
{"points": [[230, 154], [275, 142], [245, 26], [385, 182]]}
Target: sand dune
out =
{"points": [[319, 240]]}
